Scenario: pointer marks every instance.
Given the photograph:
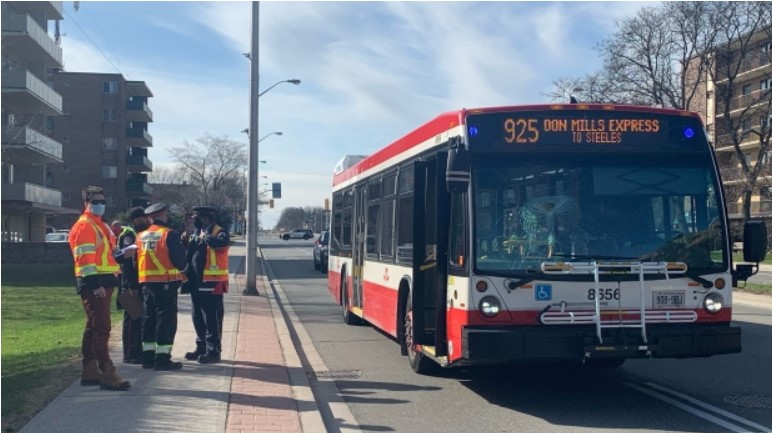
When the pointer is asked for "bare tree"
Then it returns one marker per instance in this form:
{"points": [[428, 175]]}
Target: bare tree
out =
{"points": [[291, 218], [215, 165], [666, 55], [742, 114]]}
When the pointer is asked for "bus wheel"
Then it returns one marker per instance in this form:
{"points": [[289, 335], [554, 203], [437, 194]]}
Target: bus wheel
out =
{"points": [[418, 362], [348, 317]]}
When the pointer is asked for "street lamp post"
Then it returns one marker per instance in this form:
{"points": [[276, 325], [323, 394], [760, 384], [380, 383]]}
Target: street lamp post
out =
{"points": [[252, 198]]}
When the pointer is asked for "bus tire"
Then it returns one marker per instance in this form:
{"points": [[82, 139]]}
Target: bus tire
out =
{"points": [[418, 362], [349, 318]]}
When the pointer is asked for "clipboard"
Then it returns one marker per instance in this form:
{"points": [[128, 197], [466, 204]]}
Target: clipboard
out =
{"points": [[132, 304]]}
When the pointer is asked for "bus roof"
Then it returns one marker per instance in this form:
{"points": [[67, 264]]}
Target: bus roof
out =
{"points": [[452, 119]]}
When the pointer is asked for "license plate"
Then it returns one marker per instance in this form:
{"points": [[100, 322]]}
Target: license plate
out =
{"points": [[668, 299]]}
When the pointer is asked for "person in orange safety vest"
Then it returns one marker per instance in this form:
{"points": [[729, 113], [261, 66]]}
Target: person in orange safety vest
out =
{"points": [[207, 272], [92, 244], [160, 256]]}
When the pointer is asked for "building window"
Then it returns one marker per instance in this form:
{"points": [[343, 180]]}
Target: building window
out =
{"points": [[109, 172], [66, 139], [110, 143], [746, 89], [67, 110], [67, 83], [49, 122], [65, 168], [765, 84], [109, 87], [110, 115]]}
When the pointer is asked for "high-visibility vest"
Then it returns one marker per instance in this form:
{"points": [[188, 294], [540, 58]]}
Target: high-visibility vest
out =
{"points": [[124, 231], [216, 266], [153, 262], [91, 242]]}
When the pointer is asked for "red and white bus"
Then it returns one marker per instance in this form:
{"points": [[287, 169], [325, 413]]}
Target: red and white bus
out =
{"points": [[568, 232]]}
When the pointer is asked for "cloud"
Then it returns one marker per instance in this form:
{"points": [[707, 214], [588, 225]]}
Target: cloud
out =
{"points": [[371, 71]]}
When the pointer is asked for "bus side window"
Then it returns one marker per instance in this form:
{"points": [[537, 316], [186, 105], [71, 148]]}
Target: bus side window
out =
{"points": [[457, 245]]}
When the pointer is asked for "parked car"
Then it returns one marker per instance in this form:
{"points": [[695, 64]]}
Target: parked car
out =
{"points": [[298, 234], [321, 253], [59, 236]]}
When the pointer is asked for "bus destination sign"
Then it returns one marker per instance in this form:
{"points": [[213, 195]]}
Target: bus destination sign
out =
{"points": [[599, 131], [563, 129]]}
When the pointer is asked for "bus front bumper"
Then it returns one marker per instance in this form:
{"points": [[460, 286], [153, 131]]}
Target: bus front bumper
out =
{"points": [[525, 344]]}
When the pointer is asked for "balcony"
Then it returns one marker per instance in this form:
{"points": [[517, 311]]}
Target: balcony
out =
{"points": [[138, 111], [138, 88], [750, 67], [53, 10], [757, 97], [29, 192], [23, 92], [24, 37], [138, 137], [26, 146], [138, 164], [136, 188]]}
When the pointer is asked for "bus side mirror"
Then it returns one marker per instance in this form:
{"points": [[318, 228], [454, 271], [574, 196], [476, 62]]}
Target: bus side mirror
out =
{"points": [[457, 173], [754, 241]]}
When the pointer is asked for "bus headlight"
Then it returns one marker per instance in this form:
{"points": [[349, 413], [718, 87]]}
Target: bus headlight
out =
{"points": [[713, 303], [490, 306]]}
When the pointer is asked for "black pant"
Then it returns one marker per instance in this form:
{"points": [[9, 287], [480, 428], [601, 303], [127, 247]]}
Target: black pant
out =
{"points": [[207, 311], [159, 325], [132, 336]]}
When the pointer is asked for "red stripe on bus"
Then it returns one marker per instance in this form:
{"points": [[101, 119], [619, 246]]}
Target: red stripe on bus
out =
{"points": [[380, 306], [434, 127], [446, 121]]}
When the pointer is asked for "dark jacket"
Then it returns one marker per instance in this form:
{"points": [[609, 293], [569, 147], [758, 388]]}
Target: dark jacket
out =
{"points": [[129, 276], [196, 255]]}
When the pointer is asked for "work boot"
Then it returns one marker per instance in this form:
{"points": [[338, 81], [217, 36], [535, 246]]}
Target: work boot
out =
{"points": [[148, 359], [165, 363], [91, 374], [110, 379], [209, 358], [194, 355]]}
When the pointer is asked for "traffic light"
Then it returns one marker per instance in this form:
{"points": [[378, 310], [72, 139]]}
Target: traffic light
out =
{"points": [[270, 203]]}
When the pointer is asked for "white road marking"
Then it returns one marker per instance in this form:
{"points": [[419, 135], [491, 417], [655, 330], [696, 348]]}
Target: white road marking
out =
{"points": [[661, 393]]}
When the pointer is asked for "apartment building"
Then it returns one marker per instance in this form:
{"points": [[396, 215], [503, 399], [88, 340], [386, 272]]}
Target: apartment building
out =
{"points": [[748, 70], [105, 134], [29, 103]]}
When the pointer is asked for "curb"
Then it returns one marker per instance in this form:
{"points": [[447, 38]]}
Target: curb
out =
{"points": [[308, 410]]}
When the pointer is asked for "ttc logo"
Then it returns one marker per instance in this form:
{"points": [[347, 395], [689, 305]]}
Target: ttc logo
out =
{"points": [[543, 292]]}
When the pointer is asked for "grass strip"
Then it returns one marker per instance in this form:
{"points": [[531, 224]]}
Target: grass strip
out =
{"points": [[42, 323]]}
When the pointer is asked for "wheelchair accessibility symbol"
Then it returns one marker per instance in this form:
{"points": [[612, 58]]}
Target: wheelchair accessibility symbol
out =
{"points": [[543, 292]]}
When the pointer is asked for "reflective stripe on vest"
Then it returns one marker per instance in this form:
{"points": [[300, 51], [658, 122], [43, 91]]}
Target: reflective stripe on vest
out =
{"points": [[216, 266], [103, 262], [150, 267]]}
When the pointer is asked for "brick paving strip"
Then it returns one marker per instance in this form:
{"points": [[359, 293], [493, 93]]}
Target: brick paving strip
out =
{"points": [[261, 397]]}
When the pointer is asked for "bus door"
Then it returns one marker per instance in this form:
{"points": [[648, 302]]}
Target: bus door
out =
{"points": [[358, 249], [430, 228]]}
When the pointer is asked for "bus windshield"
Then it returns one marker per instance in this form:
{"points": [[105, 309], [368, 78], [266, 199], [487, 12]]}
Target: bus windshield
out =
{"points": [[537, 208]]}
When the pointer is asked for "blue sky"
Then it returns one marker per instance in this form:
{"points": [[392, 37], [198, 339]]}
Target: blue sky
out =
{"points": [[370, 71]]}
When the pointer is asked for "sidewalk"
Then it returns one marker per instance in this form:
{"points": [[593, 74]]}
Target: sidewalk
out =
{"points": [[259, 386]]}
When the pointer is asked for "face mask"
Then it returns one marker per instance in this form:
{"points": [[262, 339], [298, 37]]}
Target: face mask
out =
{"points": [[197, 222], [97, 209]]}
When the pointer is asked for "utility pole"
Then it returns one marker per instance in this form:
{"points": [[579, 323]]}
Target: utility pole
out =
{"points": [[254, 161]]}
